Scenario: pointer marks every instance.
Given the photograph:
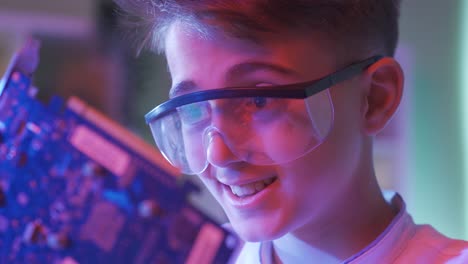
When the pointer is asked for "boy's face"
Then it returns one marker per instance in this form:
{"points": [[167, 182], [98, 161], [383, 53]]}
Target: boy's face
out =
{"points": [[306, 191]]}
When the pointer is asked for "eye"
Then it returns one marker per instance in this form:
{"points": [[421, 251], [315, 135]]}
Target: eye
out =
{"points": [[256, 104], [260, 102]]}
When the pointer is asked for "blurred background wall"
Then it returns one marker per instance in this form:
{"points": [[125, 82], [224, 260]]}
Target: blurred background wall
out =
{"points": [[423, 153], [435, 181]]}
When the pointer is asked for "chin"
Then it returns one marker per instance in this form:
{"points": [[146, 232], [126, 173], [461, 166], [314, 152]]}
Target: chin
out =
{"points": [[258, 229]]}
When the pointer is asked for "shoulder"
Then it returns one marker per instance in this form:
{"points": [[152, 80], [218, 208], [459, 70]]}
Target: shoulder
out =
{"points": [[429, 246]]}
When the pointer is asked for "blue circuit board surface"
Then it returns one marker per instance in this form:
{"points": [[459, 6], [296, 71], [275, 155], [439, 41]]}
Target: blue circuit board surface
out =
{"points": [[73, 191]]}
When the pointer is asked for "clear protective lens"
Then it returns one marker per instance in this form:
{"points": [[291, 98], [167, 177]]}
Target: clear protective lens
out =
{"points": [[257, 130]]}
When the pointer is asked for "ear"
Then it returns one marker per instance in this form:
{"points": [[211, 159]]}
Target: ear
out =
{"points": [[383, 94]]}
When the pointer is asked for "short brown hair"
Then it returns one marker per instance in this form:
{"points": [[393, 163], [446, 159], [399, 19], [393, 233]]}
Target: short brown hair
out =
{"points": [[354, 25]]}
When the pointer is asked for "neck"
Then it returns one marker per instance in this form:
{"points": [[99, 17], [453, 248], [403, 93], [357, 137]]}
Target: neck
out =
{"points": [[353, 220], [291, 249], [337, 240]]}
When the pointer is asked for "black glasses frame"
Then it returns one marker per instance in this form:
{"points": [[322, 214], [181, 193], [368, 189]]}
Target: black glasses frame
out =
{"points": [[292, 91]]}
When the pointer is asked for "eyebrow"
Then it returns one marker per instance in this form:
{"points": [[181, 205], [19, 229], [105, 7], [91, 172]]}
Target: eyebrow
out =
{"points": [[250, 67], [234, 73], [182, 88]]}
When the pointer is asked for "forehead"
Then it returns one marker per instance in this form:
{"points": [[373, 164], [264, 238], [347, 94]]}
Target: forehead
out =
{"points": [[184, 42], [207, 59]]}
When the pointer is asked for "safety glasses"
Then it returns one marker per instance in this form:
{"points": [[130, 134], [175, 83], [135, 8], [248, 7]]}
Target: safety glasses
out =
{"points": [[260, 125]]}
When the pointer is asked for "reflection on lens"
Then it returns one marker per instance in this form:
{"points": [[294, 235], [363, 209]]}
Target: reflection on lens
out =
{"points": [[258, 130]]}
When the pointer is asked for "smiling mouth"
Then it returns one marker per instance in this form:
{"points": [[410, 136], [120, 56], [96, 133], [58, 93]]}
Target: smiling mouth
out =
{"points": [[251, 188]]}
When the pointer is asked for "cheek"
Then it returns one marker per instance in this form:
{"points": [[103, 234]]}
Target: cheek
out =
{"points": [[194, 148], [292, 133], [348, 106], [286, 140], [326, 171], [211, 184]]}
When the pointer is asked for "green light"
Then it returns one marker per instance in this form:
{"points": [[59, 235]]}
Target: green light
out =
{"points": [[463, 86]]}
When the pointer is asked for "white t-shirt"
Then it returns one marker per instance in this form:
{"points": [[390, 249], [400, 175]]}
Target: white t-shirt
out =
{"points": [[402, 242]]}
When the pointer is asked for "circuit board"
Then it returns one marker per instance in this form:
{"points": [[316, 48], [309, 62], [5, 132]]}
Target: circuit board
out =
{"points": [[75, 187]]}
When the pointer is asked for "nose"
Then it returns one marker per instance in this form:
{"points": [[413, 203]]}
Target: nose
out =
{"points": [[218, 152]]}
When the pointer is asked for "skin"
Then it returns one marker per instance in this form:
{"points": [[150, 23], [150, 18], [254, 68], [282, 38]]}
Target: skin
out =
{"points": [[327, 201]]}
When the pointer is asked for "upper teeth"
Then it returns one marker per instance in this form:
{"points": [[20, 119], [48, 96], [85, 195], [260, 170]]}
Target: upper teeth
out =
{"points": [[250, 188]]}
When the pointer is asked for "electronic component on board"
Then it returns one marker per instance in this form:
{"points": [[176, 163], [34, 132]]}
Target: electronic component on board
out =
{"points": [[75, 187]]}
